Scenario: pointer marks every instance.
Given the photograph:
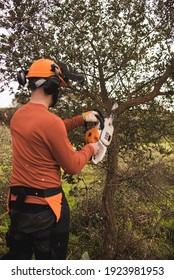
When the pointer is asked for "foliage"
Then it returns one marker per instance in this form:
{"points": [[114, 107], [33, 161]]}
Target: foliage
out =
{"points": [[5, 169], [144, 203], [86, 215], [5, 164], [6, 115], [121, 47], [143, 206]]}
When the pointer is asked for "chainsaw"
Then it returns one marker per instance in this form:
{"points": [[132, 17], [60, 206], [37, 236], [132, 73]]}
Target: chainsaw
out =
{"points": [[102, 133]]}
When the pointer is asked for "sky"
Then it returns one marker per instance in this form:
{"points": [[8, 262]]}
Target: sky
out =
{"points": [[6, 99]]}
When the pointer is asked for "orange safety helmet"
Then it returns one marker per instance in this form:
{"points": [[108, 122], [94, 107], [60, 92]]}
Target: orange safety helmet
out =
{"points": [[44, 68]]}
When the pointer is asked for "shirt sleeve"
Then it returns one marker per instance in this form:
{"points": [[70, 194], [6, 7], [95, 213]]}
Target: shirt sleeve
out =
{"points": [[74, 122], [62, 150]]}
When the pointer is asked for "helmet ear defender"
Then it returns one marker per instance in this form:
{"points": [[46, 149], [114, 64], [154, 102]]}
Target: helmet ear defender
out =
{"points": [[21, 77], [51, 85]]}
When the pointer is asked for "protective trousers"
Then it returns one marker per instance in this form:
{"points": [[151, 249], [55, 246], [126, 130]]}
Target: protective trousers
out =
{"points": [[34, 233]]}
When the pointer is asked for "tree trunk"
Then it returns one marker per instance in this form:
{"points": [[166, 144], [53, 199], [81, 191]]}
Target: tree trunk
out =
{"points": [[110, 235]]}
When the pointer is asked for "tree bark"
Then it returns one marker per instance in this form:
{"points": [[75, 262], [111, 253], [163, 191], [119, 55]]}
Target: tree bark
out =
{"points": [[110, 238]]}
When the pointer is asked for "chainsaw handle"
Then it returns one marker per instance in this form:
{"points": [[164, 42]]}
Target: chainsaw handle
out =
{"points": [[100, 118]]}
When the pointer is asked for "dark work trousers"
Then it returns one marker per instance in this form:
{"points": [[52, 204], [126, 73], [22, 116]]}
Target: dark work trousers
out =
{"points": [[33, 233]]}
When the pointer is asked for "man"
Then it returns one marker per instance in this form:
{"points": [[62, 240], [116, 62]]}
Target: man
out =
{"points": [[38, 209]]}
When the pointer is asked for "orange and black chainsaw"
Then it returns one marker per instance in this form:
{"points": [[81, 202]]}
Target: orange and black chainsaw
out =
{"points": [[102, 132]]}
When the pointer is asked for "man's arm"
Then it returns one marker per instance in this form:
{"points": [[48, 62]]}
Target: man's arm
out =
{"points": [[79, 120], [74, 122], [63, 152]]}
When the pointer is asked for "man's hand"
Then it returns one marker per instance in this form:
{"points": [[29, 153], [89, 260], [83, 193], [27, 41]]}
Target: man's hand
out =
{"points": [[90, 116], [96, 147]]}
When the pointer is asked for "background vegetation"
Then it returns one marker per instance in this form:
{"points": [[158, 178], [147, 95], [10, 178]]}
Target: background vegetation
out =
{"points": [[121, 208]]}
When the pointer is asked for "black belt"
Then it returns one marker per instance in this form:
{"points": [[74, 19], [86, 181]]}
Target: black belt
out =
{"points": [[21, 190]]}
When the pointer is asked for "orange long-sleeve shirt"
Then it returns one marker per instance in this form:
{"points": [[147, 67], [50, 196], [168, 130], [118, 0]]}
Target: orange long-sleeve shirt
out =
{"points": [[40, 146]]}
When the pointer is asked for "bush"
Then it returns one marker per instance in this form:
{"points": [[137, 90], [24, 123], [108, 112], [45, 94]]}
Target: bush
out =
{"points": [[87, 227], [5, 164]]}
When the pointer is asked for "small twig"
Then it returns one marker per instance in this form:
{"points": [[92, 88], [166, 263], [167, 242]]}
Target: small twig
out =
{"points": [[3, 215]]}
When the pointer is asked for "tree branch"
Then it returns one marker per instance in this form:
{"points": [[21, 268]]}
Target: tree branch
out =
{"points": [[149, 96]]}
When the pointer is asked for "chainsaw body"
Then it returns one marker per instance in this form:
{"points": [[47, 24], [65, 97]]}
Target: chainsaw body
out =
{"points": [[105, 140], [103, 134]]}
